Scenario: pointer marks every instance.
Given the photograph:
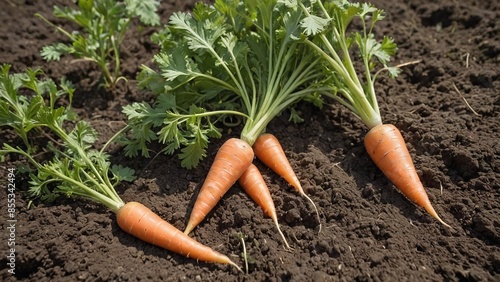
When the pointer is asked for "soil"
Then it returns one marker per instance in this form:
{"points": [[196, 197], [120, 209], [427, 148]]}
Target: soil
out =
{"points": [[447, 107]]}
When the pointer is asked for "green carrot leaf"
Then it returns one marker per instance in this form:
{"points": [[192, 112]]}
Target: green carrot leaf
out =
{"points": [[145, 10], [313, 24], [123, 173], [195, 148], [102, 25], [84, 135], [55, 51]]}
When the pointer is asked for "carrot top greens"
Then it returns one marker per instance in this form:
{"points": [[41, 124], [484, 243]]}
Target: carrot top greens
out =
{"points": [[253, 59], [74, 168], [326, 25], [102, 28], [235, 58]]}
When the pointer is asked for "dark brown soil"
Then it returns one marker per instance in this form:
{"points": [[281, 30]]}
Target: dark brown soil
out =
{"points": [[370, 231]]}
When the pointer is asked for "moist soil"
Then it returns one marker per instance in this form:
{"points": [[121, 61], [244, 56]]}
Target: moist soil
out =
{"points": [[446, 103]]}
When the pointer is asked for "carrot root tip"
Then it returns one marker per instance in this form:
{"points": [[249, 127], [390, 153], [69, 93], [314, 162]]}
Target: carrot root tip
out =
{"points": [[235, 265], [315, 208], [188, 229], [282, 235], [434, 214]]}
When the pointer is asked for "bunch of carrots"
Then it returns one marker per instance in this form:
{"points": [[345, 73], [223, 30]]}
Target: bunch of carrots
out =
{"points": [[233, 60], [252, 60]]}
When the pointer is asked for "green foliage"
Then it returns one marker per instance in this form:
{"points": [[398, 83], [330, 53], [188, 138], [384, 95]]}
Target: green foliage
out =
{"points": [[255, 59], [74, 168], [235, 58], [326, 25], [102, 28]]}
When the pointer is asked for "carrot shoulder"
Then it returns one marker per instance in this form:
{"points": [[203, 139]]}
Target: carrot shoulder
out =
{"points": [[232, 159], [139, 221], [387, 148], [254, 185], [268, 150]]}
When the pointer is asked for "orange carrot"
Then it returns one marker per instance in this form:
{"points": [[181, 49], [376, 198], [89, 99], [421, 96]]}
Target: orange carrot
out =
{"points": [[387, 148], [232, 159], [268, 149], [254, 185], [139, 221]]}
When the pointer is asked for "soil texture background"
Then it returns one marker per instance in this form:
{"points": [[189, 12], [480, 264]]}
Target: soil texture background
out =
{"points": [[447, 106]]}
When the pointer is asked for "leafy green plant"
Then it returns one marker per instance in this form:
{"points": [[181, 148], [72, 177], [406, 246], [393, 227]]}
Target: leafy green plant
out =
{"points": [[68, 164], [233, 59], [102, 27]]}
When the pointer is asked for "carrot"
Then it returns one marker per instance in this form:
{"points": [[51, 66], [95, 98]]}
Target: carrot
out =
{"points": [[268, 149], [83, 173], [254, 185], [231, 161], [387, 148], [139, 221], [353, 66]]}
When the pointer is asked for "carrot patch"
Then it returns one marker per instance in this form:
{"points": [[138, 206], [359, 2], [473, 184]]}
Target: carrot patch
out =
{"points": [[387, 148], [139, 221], [268, 149], [254, 185], [231, 161]]}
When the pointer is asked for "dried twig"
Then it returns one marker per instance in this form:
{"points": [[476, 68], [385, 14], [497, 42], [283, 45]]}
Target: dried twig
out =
{"points": [[408, 63], [467, 55], [465, 100]]}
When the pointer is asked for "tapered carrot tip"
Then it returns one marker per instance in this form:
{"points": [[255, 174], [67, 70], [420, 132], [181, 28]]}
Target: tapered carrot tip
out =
{"points": [[139, 221], [254, 185], [387, 148], [434, 214], [189, 228], [315, 208]]}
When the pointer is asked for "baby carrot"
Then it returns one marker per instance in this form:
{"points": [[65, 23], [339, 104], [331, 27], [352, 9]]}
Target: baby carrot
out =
{"points": [[387, 148], [254, 185], [268, 149], [231, 161], [139, 221]]}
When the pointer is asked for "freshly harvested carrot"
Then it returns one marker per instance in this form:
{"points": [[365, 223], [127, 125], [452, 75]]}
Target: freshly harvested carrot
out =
{"points": [[387, 148], [354, 66], [254, 185], [83, 173], [268, 150], [139, 221], [231, 161]]}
